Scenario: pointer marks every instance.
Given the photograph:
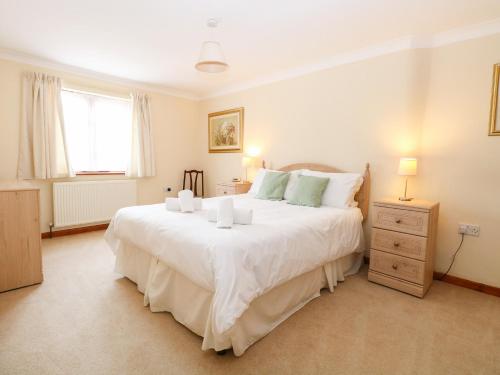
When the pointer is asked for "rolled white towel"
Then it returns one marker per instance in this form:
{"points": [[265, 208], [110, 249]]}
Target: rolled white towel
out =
{"points": [[186, 200], [173, 204], [225, 213], [241, 216]]}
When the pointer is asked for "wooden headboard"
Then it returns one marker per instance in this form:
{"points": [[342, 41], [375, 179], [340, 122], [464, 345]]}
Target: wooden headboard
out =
{"points": [[362, 196]]}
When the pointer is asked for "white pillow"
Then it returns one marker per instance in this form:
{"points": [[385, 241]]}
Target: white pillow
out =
{"points": [[293, 180], [341, 189]]}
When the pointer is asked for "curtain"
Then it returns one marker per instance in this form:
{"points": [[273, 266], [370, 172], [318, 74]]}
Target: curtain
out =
{"points": [[142, 162], [42, 144]]}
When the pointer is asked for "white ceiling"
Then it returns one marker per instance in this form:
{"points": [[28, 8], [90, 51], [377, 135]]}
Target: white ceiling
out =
{"points": [[158, 41]]}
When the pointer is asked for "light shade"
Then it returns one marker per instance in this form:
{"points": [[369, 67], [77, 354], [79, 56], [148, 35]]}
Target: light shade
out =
{"points": [[247, 161], [407, 167], [211, 58]]}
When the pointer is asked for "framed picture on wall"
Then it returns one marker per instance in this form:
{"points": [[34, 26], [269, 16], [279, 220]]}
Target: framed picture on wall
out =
{"points": [[225, 131], [494, 115]]}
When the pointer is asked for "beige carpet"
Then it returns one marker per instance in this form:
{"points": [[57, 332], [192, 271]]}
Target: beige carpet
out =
{"points": [[85, 319]]}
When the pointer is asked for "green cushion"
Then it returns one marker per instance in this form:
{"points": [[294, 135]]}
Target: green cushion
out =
{"points": [[273, 186], [309, 191]]}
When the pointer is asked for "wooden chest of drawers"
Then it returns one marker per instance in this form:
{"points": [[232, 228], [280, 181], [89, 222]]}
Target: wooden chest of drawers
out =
{"points": [[232, 188], [402, 246], [20, 244]]}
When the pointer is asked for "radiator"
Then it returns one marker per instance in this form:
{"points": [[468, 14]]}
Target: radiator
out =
{"points": [[85, 202]]}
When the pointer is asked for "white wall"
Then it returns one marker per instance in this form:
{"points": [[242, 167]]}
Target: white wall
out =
{"points": [[461, 164], [175, 128]]}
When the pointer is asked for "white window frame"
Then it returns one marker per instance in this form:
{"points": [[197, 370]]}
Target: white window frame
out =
{"points": [[92, 96]]}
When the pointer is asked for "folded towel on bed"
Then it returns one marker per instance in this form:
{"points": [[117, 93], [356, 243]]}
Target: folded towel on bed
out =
{"points": [[186, 200], [241, 216], [174, 204], [225, 213]]}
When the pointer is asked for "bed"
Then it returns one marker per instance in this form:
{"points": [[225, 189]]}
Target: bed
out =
{"points": [[232, 287]]}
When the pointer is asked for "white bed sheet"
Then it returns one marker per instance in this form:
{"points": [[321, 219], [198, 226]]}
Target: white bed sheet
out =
{"points": [[240, 264]]}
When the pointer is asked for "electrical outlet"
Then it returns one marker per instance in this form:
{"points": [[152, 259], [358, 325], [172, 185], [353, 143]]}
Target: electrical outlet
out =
{"points": [[468, 229]]}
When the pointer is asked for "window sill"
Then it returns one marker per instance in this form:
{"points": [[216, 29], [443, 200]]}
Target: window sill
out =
{"points": [[100, 173]]}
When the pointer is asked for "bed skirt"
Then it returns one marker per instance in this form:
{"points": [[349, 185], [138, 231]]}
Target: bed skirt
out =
{"points": [[167, 290]]}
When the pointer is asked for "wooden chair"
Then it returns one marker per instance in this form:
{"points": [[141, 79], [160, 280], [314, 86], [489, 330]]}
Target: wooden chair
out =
{"points": [[194, 186]]}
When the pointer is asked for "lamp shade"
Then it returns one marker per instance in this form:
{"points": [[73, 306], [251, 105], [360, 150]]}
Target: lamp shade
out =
{"points": [[407, 167], [211, 58], [247, 161]]}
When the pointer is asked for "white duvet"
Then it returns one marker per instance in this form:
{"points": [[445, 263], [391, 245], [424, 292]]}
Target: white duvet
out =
{"points": [[244, 262]]}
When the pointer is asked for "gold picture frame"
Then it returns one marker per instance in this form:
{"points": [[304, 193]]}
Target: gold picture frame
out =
{"points": [[494, 118], [225, 131]]}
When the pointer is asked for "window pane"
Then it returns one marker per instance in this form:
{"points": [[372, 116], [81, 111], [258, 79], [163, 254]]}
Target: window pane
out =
{"points": [[76, 122], [113, 132], [98, 131]]}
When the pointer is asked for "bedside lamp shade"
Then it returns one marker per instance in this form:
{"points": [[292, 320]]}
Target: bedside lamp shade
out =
{"points": [[407, 167], [247, 161]]}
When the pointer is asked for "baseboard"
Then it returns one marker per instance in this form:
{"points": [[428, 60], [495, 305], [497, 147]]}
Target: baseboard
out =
{"points": [[488, 289], [70, 231], [464, 283]]}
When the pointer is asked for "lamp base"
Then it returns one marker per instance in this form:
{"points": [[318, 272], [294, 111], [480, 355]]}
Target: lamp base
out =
{"points": [[405, 199]]}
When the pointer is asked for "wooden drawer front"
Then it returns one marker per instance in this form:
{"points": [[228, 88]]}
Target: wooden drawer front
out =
{"points": [[224, 190], [399, 243], [394, 265], [406, 221], [392, 282]]}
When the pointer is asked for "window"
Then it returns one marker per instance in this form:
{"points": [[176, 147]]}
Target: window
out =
{"points": [[98, 131]]}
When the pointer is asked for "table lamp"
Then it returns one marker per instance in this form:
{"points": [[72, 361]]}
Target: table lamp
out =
{"points": [[247, 162], [407, 167]]}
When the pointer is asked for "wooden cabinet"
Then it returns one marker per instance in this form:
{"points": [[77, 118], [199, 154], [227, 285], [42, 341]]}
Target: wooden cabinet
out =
{"points": [[20, 243], [402, 246], [232, 188]]}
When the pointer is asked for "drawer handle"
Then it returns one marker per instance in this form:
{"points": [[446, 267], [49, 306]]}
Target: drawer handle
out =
{"points": [[398, 221], [225, 192], [394, 266], [396, 244]]}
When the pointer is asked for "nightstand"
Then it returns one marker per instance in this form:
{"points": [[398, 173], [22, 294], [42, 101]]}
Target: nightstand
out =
{"points": [[402, 246], [232, 188]]}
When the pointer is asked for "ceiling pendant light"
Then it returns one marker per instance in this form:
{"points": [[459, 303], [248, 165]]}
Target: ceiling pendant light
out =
{"points": [[211, 56]]}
